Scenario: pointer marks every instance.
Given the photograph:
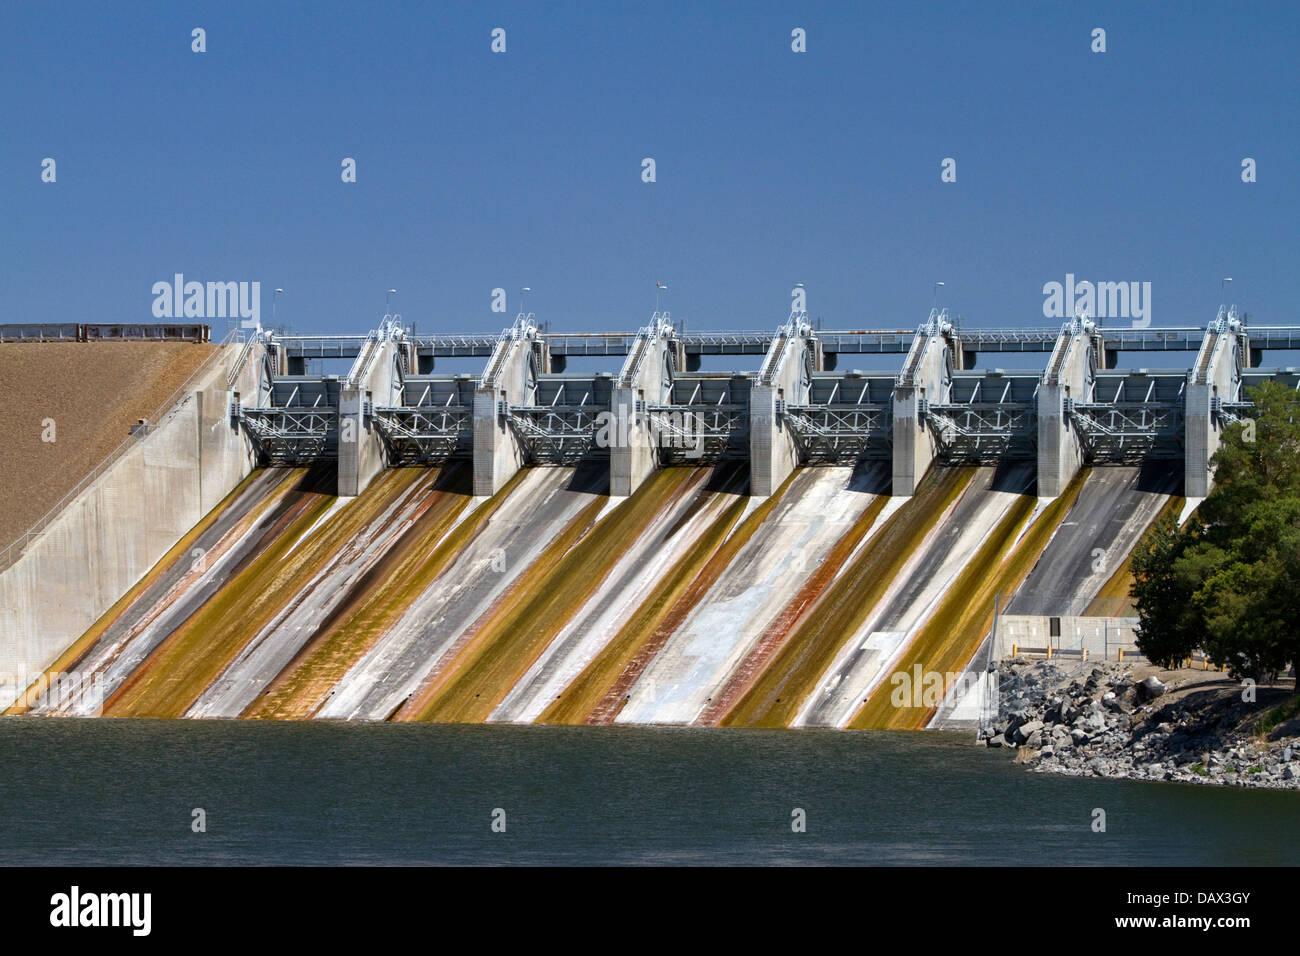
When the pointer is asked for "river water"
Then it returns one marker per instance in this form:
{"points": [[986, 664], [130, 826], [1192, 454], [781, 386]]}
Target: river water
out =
{"points": [[125, 791]]}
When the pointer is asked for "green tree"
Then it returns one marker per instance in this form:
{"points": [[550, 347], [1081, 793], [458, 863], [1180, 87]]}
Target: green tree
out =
{"points": [[1229, 581]]}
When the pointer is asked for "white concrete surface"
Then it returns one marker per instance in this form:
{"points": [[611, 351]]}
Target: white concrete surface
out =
{"points": [[820, 506], [116, 530]]}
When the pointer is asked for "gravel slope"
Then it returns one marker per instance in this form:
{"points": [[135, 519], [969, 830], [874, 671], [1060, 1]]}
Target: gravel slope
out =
{"points": [[116, 383]]}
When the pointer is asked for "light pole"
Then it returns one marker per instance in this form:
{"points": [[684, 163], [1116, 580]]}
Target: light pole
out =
{"points": [[387, 296], [275, 295]]}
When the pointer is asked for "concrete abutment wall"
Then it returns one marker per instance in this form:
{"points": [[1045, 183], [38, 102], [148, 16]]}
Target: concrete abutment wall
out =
{"points": [[111, 534]]}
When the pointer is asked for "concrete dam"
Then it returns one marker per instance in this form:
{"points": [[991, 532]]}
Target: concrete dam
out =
{"points": [[660, 545]]}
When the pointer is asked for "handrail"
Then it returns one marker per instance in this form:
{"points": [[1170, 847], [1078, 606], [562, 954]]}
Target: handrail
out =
{"points": [[1052, 373], [660, 325], [504, 343], [775, 356], [365, 358], [907, 375], [524, 328], [240, 359]]}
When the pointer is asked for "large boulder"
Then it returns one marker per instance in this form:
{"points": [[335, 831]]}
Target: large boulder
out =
{"points": [[1151, 688], [1027, 730]]}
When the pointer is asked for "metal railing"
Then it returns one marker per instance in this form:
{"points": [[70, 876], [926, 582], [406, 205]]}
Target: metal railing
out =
{"points": [[1064, 339], [106, 332], [660, 324], [524, 328], [241, 358], [365, 359], [775, 357]]}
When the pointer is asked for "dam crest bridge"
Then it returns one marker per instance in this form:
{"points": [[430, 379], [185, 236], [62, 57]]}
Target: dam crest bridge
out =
{"points": [[802, 406]]}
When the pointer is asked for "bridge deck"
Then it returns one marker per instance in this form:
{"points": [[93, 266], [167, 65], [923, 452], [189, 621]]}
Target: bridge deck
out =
{"points": [[756, 342]]}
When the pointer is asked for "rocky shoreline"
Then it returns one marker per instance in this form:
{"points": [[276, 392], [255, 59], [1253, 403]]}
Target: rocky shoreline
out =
{"points": [[1123, 720]]}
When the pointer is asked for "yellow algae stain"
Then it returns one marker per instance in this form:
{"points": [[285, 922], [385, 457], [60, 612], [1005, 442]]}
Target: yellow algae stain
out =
{"points": [[581, 697], [381, 597], [541, 602], [1115, 598], [196, 653], [69, 659], [948, 640], [777, 631], [615, 696], [776, 696]]}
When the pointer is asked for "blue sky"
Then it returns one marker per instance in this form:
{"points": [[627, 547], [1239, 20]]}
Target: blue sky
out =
{"points": [[477, 170]]}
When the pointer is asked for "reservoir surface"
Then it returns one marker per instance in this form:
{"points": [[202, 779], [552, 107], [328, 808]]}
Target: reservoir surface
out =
{"points": [[88, 792]]}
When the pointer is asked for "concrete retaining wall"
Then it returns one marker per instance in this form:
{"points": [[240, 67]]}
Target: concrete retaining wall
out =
{"points": [[1031, 634], [116, 530]]}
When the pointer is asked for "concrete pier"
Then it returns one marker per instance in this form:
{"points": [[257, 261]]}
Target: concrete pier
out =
{"points": [[646, 379], [926, 374], [784, 379], [376, 379], [1069, 376], [1214, 379], [509, 379]]}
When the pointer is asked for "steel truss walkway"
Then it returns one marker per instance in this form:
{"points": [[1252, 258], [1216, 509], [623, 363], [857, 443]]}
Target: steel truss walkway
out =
{"points": [[562, 423], [299, 426], [707, 420], [847, 416]]}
